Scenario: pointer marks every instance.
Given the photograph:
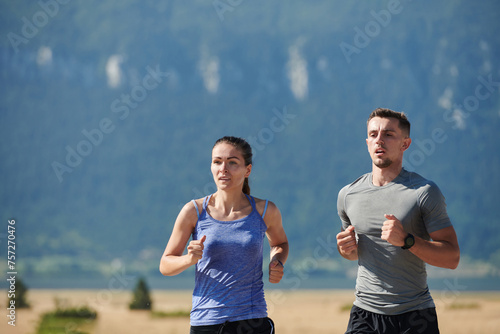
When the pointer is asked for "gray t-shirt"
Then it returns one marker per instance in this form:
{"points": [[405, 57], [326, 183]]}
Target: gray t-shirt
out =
{"points": [[391, 280]]}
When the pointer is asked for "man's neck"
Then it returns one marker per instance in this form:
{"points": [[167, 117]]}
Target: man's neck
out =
{"points": [[382, 176]]}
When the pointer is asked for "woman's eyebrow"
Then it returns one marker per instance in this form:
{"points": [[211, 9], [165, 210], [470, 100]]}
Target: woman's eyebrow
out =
{"points": [[228, 158]]}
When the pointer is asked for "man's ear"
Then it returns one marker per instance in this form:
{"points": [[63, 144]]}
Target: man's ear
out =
{"points": [[406, 143]]}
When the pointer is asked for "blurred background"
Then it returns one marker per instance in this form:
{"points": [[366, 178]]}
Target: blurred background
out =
{"points": [[109, 111]]}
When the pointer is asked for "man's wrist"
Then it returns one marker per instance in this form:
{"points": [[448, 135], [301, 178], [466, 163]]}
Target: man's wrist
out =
{"points": [[409, 241]]}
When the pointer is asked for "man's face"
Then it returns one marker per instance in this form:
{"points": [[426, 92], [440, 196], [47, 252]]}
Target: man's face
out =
{"points": [[386, 141]]}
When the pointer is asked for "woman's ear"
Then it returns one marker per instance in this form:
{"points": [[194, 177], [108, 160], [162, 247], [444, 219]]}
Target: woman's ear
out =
{"points": [[249, 170]]}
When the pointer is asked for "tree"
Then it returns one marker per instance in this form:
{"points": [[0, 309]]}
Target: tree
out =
{"points": [[18, 295], [141, 300]]}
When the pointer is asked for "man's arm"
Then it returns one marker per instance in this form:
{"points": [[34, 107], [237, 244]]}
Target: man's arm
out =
{"points": [[443, 251], [347, 245]]}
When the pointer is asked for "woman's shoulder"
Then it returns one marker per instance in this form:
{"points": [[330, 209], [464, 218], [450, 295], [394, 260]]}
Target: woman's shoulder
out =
{"points": [[260, 201], [265, 204], [195, 204]]}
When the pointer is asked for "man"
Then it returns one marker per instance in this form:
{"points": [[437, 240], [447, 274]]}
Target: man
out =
{"points": [[393, 223]]}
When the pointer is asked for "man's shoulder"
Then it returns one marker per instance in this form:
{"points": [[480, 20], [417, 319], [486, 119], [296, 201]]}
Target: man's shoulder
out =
{"points": [[416, 181], [359, 182], [425, 190]]}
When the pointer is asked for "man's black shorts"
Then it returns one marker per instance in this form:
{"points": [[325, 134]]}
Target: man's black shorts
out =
{"points": [[415, 322]]}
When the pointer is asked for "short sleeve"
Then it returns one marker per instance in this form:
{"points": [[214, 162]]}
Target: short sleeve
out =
{"points": [[341, 210], [433, 208]]}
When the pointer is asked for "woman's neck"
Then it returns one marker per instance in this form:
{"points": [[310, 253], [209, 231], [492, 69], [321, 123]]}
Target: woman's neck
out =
{"points": [[228, 202]]}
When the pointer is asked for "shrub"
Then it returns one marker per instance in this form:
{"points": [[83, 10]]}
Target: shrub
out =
{"points": [[67, 320], [141, 299], [19, 296], [171, 314]]}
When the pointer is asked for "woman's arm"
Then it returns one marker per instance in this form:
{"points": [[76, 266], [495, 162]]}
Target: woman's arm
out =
{"points": [[173, 261], [278, 242]]}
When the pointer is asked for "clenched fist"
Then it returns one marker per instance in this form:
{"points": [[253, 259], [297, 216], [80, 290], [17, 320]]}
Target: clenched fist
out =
{"points": [[195, 249], [275, 271], [346, 241]]}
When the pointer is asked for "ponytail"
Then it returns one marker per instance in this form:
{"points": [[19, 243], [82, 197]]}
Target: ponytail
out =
{"points": [[246, 186]]}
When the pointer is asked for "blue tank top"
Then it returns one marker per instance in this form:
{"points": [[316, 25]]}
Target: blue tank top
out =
{"points": [[228, 279]]}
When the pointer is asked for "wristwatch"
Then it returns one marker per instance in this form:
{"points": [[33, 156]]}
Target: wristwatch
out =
{"points": [[409, 241]]}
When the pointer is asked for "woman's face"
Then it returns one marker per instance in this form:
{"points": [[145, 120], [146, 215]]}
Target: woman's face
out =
{"points": [[228, 167]]}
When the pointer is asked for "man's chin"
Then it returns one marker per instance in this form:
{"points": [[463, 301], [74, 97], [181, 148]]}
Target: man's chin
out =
{"points": [[382, 163]]}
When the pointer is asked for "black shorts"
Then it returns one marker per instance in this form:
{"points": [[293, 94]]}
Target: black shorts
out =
{"points": [[250, 326], [415, 322]]}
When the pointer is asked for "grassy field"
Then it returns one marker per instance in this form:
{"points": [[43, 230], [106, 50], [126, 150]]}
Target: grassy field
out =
{"points": [[294, 312]]}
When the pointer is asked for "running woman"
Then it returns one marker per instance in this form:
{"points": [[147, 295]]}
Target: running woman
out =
{"points": [[228, 229]]}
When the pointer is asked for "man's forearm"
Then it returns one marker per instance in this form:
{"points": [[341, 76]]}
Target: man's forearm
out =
{"points": [[441, 254], [352, 256]]}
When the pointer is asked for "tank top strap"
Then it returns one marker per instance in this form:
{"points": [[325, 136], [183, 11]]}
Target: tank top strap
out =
{"points": [[252, 201], [265, 209], [196, 207], [205, 201], [254, 205]]}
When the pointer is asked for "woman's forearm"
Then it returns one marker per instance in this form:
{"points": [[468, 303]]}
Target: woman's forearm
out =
{"points": [[171, 265], [279, 252]]}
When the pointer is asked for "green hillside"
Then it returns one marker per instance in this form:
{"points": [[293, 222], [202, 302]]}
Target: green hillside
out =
{"points": [[109, 112]]}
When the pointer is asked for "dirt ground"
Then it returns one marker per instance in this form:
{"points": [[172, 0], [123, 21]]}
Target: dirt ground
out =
{"points": [[294, 312]]}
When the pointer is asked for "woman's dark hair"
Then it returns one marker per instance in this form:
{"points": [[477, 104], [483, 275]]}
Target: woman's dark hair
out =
{"points": [[245, 149]]}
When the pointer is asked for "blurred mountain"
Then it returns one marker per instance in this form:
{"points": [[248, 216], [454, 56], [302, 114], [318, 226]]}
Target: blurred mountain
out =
{"points": [[109, 112]]}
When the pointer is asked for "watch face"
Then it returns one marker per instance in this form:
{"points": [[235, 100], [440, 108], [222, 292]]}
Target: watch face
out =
{"points": [[410, 241]]}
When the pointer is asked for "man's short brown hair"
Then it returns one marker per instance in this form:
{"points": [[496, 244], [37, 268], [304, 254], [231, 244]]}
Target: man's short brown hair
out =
{"points": [[404, 123]]}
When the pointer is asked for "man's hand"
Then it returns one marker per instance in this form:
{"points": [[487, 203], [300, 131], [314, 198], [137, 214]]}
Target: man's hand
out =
{"points": [[393, 232], [275, 271], [195, 250], [346, 242]]}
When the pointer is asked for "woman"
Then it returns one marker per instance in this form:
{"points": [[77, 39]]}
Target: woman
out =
{"points": [[228, 229]]}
